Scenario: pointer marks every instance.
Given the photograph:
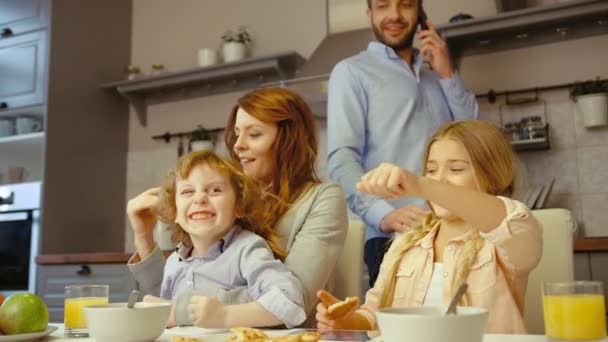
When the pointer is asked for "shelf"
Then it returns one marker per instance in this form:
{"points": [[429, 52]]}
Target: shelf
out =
{"points": [[527, 27], [22, 144], [37, 110], [204, 81], [538, 144]]}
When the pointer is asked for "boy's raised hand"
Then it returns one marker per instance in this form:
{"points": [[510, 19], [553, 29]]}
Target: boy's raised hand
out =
{"points": [[333, 319], [389, 181], [142, 212]]}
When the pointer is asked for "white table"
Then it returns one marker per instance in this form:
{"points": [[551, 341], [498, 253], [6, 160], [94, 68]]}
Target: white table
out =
{"points": [[166, 336]]}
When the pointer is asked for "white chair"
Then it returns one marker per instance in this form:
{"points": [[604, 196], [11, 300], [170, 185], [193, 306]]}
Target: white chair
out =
{"points": [[556, 263], [347, 277]]}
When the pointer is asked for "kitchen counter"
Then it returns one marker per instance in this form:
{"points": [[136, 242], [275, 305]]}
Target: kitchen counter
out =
{"points": [[591, 245], [86, 258]]}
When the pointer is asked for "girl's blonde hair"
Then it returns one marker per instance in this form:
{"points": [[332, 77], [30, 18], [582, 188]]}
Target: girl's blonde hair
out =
{"points": [[251, 213], [493, 164]]}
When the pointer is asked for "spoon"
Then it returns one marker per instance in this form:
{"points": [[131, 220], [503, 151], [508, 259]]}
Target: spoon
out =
{"points": [[132, 298], [452, 307]]}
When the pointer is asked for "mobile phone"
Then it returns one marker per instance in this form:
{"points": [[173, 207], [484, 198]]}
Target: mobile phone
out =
{"points": [[422, 18]]}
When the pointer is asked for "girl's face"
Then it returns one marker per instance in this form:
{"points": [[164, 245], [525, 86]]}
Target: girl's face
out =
{"points": [[450, 162], [253, 145], [205, 203]]}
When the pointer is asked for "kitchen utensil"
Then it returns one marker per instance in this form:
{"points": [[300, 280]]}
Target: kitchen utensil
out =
{"points": [[457, 297], [132, 298]]}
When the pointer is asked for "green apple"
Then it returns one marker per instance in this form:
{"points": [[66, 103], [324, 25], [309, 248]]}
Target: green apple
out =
{"points": [[23, 313]]}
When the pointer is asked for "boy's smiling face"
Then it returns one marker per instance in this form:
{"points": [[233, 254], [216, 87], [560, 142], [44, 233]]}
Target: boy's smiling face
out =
{"points": [[205, 203]]}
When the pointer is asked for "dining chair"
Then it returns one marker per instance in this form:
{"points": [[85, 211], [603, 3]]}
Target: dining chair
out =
{"points": [[556, 263], [347, 278]]}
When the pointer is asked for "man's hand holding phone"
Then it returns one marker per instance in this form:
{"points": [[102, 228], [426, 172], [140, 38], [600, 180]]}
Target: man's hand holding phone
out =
{"points": [[434, 49]]}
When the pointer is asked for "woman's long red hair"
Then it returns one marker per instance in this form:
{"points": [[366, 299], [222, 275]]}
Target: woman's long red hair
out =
{"points": [[295, 146]]}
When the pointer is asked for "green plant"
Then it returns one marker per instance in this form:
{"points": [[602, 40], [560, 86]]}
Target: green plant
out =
{"points": [[240, 36], [201, 134], [589, 87]]}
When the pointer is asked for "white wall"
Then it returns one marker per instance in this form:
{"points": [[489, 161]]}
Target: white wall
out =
{"points": [[171, 32]]}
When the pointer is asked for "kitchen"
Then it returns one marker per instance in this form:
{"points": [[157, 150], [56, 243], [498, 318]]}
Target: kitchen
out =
{"points": [[96, 153]]}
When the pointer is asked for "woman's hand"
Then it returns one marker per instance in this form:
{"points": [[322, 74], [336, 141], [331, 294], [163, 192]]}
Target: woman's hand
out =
{"points": [[153, 299], [389, 181], [142, 212], [207, 312], [339, 319]]}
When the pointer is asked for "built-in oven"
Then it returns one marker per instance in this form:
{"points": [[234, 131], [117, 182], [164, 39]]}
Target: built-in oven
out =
{"points": [[19, 237]]}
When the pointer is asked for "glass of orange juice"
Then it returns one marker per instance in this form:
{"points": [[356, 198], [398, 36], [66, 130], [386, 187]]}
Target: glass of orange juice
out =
{"points": [[77, 297], [574, 311]]}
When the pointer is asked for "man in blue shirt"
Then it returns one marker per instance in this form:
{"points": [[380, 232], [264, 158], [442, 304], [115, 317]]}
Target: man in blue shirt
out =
{"points": [[383, 106]]}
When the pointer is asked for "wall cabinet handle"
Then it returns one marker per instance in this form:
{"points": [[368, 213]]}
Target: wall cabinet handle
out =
{"points": [[6, 32], [84, 270]]}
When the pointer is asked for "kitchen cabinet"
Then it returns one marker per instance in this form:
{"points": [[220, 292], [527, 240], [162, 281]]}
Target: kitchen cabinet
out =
{"points": [[52, 279], [22, 66], [591, 265], [86, 129], [19, 16]]}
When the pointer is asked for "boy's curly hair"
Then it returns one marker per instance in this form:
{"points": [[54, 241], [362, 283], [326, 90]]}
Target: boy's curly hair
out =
{"points": [[251, 213]]}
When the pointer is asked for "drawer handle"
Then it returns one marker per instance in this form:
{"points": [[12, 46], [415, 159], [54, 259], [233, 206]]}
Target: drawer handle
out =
{"points": [[84, 270], [7, 32], [3, 105]]}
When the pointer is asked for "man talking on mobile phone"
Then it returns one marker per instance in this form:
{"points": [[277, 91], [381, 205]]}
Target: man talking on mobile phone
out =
{"points": [[383, 106]]}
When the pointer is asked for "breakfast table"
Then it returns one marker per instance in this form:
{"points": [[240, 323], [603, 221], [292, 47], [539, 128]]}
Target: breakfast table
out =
{"points": [[58, 335]]}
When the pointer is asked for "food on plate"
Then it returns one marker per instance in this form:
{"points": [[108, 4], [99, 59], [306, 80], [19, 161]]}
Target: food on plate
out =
{"points": [[248, 335], [185, 339], [23, 313], [256, 335], [340, 309]]}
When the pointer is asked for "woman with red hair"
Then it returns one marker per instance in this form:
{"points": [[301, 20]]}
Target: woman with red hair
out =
{"points": [[272, 133]]}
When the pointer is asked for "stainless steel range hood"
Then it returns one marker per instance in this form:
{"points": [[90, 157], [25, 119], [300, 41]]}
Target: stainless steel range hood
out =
{"points": [[311, 79]]}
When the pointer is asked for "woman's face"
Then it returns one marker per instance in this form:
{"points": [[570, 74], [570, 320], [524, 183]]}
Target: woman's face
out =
{"points": [[450, 162], [253, 145]]}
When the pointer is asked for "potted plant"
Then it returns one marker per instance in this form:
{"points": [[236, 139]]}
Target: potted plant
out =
{"points": [[234, 44], [201, 139], [591, 98]]}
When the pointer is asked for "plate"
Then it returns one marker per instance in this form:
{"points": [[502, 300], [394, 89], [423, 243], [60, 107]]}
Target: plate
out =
{"points": [[219, 335], [28, 337]]}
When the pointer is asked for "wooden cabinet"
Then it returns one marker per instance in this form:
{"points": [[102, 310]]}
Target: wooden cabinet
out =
{"points": [[19, 16], [22, 66], [52, 280]]}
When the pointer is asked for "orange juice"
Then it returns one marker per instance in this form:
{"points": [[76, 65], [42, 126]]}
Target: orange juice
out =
{"points": [[74, 315], [575, 317]]}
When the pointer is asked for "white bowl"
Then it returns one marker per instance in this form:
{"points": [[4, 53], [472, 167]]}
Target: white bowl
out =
{"points": [[115, 322], [429, 324]]}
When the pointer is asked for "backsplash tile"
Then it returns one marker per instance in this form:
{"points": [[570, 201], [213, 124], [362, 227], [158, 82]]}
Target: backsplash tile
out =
{"points": [[595, 214], [593, 169], [577, 160]]}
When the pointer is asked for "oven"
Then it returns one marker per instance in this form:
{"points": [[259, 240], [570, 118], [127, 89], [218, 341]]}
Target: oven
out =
{"points": [[19, 237]]}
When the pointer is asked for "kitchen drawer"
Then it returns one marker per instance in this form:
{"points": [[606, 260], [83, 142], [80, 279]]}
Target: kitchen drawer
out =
{"points": [[20, 16], [52, 280]]}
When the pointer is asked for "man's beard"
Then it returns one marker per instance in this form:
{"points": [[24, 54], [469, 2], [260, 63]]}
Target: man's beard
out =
{"points": [[404, 43]]}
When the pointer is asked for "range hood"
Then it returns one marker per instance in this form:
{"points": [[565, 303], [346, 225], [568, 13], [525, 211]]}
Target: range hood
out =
{"points": [[507, 30]]}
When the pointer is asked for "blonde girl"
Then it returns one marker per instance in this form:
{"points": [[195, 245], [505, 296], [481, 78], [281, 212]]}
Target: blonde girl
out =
{"points": [[475, 233], [224, 242]]}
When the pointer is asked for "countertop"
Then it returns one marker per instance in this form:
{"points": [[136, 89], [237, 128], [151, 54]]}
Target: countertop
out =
{"points": [[86, 258], [580, 245], [591, 245]]}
